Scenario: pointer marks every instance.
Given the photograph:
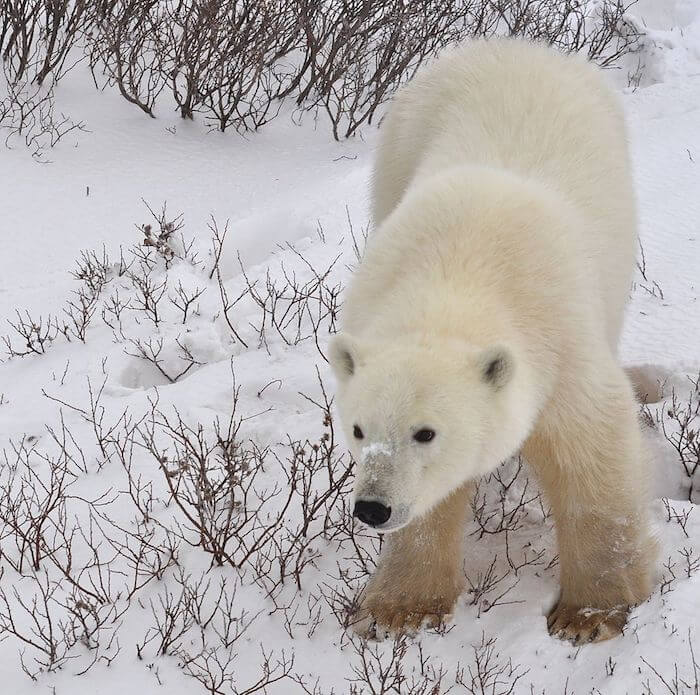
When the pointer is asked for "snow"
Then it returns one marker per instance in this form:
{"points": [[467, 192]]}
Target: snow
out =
{"points": [[291, 190], [376, 449]]}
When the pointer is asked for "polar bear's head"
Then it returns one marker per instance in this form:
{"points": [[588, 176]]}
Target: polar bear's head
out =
{"points": [[422, 420]]}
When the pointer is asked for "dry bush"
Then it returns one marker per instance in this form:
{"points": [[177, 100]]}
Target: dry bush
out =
{"points": [[233, 61], [383, 671], [85, 569], [220, 58], [28, 116], [490, 674], [680, 424], [681, 518], [678, 682], [74, 571], [296, 310], [218, 483], [35, 334], [356, 54], [126, 50], [598, 29], [217, 58], [37, 37], [505, 502], [160, 292], [649, 285]]}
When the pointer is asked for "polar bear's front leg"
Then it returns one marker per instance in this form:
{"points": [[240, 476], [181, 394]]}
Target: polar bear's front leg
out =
{"points": [[587, 454], [420, 575]]}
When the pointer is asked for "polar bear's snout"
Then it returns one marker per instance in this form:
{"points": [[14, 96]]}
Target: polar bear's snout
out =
{"points": [[378, 508], [380, 514], [384, 487], [371, 512]]}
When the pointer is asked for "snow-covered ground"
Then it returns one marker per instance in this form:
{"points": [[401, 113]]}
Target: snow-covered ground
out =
{"points": [[294, 201]]}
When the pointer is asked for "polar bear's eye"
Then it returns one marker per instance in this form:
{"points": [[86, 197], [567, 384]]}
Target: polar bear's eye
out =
{"points": [[423, 436], [357, 432]]}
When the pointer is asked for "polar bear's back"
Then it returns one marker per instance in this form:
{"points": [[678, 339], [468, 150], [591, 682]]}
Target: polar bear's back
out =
{"points": [[506, 103], [523, 107]]}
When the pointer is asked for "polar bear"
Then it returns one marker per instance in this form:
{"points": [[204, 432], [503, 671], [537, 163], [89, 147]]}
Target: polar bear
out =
{"points": [[483, 320]]}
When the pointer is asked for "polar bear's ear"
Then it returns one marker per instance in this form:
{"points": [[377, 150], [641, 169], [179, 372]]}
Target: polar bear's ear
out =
{"points": [[343, 355], [496, 365]]}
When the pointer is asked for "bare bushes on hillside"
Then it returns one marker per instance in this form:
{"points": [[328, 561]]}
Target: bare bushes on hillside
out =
{"points": [[217, 59], [165, 290], [78, 564], [76, 567], [37, 42], [233, 62], [37, 37], [359, 53], [124, 50], [358, 56], [140, 527], [599, 30]]}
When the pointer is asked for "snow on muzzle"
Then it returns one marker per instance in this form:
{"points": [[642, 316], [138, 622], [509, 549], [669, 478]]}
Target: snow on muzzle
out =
{"points": [[380, 493]]}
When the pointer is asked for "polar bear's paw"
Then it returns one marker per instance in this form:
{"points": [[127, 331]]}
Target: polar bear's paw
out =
{"points": [[584, 625], [379, 616]]}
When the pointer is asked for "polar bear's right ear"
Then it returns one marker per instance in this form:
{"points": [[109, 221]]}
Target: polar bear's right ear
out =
{"points": [[343, 356], [496, 365]]}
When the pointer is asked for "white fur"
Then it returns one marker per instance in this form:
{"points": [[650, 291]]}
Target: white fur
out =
{"points": [[505, 222]]}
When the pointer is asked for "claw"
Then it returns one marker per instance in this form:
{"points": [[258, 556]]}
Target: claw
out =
{"points": [[583, 625]]}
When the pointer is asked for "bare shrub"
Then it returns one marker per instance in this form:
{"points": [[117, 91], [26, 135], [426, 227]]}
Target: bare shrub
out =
{"points": [[600, 29], [214, 667], [489, 674], [681, 518], [358, 53], [76, 570], [215, 481], [218, 240], [94, 272], [151, 351], [677, 683], [19, 32], [363, 51], [37, 37], [35, 334], [162, 238], [219, 59], [483, 587], [295, 310], [212, 484], [382, 671], [195, 33], [50, 641], [680, 424], [322, 480], [503, 503], [649, 285], [233, 61], [162, 282], [33, 505], [201, 624], [126, 50], [28, 116]]}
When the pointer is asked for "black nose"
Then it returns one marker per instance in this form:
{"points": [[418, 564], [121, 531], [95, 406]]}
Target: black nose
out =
{"points": [[371, 513]]}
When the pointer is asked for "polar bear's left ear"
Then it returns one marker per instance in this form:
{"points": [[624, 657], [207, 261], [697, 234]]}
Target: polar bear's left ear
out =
{"points": [[497, 366], [343, 355]]}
